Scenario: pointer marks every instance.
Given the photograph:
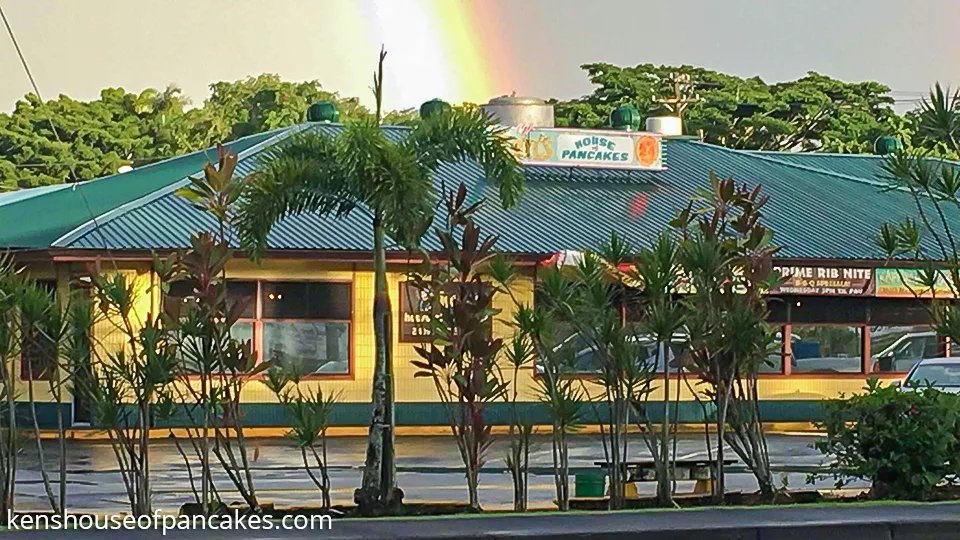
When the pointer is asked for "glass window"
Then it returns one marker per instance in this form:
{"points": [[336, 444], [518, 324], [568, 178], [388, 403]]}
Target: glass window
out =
{"points": [[587, 361], [306, 301], [938, 374], [827, 309], [314, 347], [774, 363], [307, 325], [183, 293], [898, 348], [826, 349]]}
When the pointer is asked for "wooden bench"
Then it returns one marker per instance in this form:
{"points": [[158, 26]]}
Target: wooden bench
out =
{"points": [[686, 469]]}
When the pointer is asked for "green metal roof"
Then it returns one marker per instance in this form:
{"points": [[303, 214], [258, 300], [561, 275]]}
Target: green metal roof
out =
{"points": [[821, 206], [36, 218]]}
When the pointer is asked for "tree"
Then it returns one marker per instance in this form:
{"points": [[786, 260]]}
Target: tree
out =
{"points": [[65, 140], [814, 112], [462, 358], [223, 363], [929, 237], [937, 122], [314, 172], [310, 415], [256, 104], [658, 268], [562, 394], [726, 254], [132, 387], [10, 282], [591, 300]]}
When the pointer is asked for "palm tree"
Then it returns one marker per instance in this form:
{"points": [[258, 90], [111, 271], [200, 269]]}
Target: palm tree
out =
{"points": [[939, 118], [314, 172]]}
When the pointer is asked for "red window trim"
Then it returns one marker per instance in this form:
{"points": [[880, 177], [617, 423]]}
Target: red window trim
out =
{"points": [[258, 321]]}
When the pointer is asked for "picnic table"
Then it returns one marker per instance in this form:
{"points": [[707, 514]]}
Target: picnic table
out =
{"points": [[686, 469]]}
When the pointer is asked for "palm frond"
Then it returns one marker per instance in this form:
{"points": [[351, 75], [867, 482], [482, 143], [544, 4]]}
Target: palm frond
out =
{"points": [[304, 174], [458, 134]]}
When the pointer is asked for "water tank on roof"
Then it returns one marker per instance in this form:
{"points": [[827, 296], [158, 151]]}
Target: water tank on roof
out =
{"points": [[665, 125], [323, 111], [520, 111]]}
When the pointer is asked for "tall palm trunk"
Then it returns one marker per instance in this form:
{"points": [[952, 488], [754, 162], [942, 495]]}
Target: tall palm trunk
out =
{"points": [[379, 488]]}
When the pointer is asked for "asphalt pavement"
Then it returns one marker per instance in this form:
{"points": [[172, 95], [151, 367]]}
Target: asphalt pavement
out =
{"points": [[429, 470]]}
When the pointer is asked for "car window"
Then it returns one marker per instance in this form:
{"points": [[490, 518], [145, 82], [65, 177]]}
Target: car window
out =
{"points": [[937, 374]]}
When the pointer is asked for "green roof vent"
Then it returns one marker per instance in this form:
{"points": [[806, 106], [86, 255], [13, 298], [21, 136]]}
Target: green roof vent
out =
{"points": [[323, 111], [432, 107], [887, 145], [625, 117]]}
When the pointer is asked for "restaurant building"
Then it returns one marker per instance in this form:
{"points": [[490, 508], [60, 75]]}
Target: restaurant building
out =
{"points": [[844, 313]]}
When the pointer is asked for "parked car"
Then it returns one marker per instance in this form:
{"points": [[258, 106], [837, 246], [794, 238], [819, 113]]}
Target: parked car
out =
{"points": [[942, 373]]}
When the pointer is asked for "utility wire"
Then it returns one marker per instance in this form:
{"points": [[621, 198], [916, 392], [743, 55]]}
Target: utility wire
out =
{"points": [[73, 174]]}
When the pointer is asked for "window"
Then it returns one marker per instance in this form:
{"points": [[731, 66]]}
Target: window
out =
{"points": [[303, 324], [826, 349], [182, 298], [307, 325], [587, 361], [774, 363], [898, 348]]}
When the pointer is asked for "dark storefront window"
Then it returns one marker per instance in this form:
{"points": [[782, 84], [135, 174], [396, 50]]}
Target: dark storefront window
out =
{"points": [[898, 348], [307, 325], [181, 299], [826, 349]]}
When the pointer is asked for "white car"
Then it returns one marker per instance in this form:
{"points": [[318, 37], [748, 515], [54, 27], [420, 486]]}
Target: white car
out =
{"points": [[942, 373]]}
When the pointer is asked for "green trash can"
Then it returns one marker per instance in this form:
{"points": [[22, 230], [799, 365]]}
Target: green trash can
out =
{"points": [[590, 485]]}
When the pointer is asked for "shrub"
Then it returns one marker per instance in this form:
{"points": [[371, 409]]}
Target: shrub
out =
{"points": [[905, 441]]}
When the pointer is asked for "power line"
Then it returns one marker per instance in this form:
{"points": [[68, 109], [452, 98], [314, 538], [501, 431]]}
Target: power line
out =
{"points": [[73, 174], [23, 60]]}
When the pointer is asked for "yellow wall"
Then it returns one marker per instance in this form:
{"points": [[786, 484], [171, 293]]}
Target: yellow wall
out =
{"points": [[109, 337]]}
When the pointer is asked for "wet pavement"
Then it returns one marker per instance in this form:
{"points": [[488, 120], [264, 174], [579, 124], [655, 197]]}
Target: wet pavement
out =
{"points": [[429, 469]]}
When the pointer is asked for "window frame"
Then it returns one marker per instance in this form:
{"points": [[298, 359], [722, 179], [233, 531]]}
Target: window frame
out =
{"points": [[258, 320]]}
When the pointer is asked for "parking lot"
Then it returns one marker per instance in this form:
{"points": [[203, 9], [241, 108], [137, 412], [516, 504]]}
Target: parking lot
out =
{"points": [[429, 469]]}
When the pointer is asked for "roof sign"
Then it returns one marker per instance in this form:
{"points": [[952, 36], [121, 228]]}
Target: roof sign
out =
{"points": [[587, 148]]}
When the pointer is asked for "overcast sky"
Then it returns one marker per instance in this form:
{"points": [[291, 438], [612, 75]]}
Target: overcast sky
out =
{"points": [[77, 47]]}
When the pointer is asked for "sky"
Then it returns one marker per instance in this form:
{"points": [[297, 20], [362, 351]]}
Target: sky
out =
{"points": [[467, 50]]}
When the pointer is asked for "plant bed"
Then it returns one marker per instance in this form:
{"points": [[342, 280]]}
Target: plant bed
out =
{"points": [[336, 511], [697, 500]]}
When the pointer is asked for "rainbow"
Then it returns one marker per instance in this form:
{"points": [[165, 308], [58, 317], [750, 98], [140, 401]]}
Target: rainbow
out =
{"points": [[445, 49]]}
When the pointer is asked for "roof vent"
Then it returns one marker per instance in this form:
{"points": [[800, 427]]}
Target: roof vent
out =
{"points": [[887, 145], [671, 126], [434, 106], [625, 117], [520, 111], [323, 111]]}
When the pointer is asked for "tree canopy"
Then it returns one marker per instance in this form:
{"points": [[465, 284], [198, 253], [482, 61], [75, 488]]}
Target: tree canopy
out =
{"points": [[814, 112], [96, 138]]}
